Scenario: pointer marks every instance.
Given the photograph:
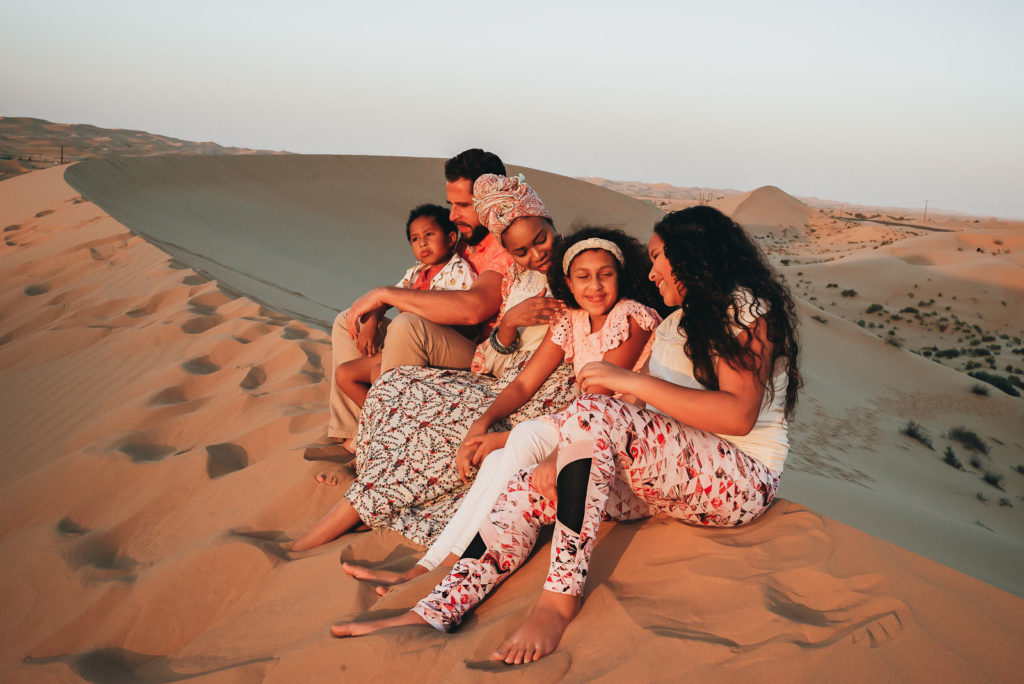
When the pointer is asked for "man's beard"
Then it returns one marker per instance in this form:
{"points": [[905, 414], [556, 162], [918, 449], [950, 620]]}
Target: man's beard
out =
{"points": [[478, 234]]}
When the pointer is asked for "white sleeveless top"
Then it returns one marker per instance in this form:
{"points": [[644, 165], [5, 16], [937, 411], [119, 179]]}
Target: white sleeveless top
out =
{"points": [[767, 442]]}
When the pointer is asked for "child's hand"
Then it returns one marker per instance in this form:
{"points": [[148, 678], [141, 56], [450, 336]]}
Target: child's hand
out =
{"points": [[545, 476], [368, 342]]}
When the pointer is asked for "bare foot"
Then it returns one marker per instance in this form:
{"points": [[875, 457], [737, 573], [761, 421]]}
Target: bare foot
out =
{"points": [[331, 477], [542, 631], [383, 578], [347, 629]]}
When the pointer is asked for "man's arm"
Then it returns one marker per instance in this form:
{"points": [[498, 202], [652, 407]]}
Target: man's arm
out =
{"points": [[446, 307]]}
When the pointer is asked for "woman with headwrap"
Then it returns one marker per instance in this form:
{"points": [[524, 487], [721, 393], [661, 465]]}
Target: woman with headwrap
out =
{"points": [[414, 419]]}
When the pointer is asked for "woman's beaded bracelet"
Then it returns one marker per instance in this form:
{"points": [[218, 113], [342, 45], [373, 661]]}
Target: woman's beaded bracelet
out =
{"points": [[497, 346]]}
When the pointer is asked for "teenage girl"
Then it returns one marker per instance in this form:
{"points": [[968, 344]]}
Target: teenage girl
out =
{"points": [[601, 276], [707, 449]]}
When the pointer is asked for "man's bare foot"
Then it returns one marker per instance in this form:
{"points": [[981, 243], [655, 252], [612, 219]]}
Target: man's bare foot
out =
{"points": [[350, 629], [542, 631], [383, 578]]}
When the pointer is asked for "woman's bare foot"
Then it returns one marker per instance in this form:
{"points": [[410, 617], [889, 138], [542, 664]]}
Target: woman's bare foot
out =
{"points": [[347, 629], [383, 578], [542, 631]]}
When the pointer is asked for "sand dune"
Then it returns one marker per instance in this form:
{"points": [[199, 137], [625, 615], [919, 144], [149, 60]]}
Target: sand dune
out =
{"points": [[293, 231], [154, 426], [766, 210]]}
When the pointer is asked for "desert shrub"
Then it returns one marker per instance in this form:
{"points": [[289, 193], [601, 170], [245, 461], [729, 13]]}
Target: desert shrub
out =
{"points": [[1019, 469], [849, 293], [996, 381], [894, 342], [832, 285], [975, 462], [950, 458], [980, 389], [861, 323], [968, 439], [916, 432], [992, 479], [909, 309], [874, 308]]}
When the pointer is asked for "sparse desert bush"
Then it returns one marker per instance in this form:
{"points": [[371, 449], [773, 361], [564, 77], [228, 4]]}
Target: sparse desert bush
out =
{"points": [[980, 389], [849, 293], [992, 479], [916, 432], [947, 353], [975, 462], [1019, 468], [909, 309], [996, 381], [819, 319], [968, 439], [832, 285], [861, 323], [894, 342], [874, 308], [950, 458]]}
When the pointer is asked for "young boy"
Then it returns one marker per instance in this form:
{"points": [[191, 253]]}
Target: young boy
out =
{"points": [[433, 238]]}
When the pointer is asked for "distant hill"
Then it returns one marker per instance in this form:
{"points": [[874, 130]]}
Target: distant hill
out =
{"points": [[27, 144], [765, 210]]}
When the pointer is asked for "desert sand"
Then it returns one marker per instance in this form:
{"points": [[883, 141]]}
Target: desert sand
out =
{"points": [[156, 421]]}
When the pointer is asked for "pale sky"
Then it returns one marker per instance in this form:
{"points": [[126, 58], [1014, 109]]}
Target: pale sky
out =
{"points": [[875, 102]]}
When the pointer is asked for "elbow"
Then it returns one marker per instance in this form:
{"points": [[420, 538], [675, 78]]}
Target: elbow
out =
{"points": [[742, 425]]}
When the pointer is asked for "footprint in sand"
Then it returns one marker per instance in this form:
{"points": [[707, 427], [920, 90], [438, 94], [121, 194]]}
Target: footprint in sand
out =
{"points": [[169, 396], [290, 333], [12, 228], [254, 378], [314, 367], [201, 324], [770, 587], [142, 451], [44, 212], [96, 557], [37, 289], [222, 459], [121, 665], [69, 528], [200, 365], [252, 333]]}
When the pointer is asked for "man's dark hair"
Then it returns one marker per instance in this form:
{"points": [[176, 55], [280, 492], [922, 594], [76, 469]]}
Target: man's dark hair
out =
{"points": [[472, 164], [439, 214]]}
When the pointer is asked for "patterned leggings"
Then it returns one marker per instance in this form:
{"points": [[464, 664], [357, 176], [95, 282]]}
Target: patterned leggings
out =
{"points": [[640, 462]]}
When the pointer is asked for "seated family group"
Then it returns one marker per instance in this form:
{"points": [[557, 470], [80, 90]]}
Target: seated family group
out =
{"points": [[529, 379]]}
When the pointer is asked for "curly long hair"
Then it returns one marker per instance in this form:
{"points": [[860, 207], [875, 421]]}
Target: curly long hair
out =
{"points": [[712, 257], [632, 276]]}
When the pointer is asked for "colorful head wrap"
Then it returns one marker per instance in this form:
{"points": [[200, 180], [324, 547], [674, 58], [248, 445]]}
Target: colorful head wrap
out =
{"points": [[500, 200]]}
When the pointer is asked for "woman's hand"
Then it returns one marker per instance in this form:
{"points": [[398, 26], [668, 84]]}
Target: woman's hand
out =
{"points": [[539, 310], [605, 375], [474, 448], [545, 477]]}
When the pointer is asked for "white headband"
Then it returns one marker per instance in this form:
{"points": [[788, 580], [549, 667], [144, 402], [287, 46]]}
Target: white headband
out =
{"points": [[591, 243]]}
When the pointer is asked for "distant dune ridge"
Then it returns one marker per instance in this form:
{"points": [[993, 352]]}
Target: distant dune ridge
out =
{"points": [[306, 234], [766, 210], [155, 419]]}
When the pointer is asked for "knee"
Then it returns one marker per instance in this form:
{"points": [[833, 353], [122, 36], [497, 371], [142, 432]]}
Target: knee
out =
{"points": [[406, 326], [587, 415]]}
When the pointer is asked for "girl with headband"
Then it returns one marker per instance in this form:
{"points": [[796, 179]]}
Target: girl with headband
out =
{"points": [[601, 277], [704, 443]]}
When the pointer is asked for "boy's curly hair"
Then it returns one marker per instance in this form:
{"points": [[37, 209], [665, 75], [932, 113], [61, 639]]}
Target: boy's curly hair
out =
{"points": [[633, 275]]}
